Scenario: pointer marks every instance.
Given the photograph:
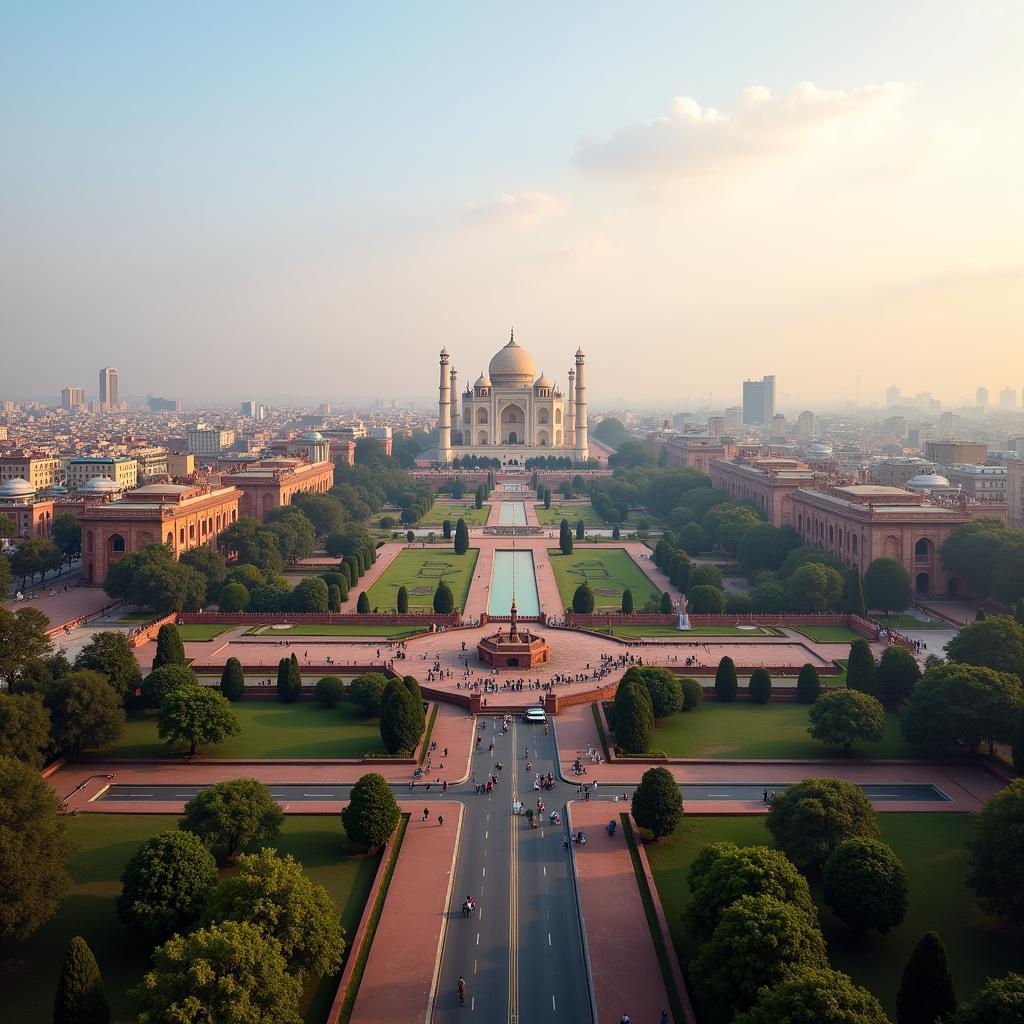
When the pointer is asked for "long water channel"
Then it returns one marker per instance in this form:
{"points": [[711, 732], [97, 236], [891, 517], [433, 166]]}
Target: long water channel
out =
{"points": [[512, 513], [513, 568]]}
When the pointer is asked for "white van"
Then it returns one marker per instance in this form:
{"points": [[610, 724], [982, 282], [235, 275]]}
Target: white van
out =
{"points": [[534, 715]]}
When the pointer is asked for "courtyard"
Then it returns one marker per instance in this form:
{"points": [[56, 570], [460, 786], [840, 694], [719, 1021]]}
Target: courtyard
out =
{"points": [[420, 570], [608, 571]]}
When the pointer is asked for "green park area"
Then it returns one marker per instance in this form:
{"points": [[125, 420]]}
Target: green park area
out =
{"points": [[931, 847], [200, 631], [442, 510], [270, 729], [828, 634], [573, 512], [639, 632], [331, 629], [420, 571], [608, 572], [103, 844]]}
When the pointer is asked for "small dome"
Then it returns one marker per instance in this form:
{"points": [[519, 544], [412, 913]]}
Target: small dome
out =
{"points": [[100, 485], [820, 449], [17, 487], [927, 480], [313, 435], [542, 382], [512, 365], [483, 381]]}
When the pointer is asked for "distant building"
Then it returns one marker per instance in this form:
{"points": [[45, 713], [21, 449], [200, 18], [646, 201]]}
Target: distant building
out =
{"points": [[204, 440], [734, 417], [72, 398], [1015, 493], [31, 515], [895, 472], [109, 389], [759, 401], [180, 465], [157, 404], [948, 453], [41, 471], [981, 398], [1007, 399], [251, 409], [766, 482], [805, 424], [152, 463], [980, 483], [694, 451], [949, 423], [273, 483], [121, 469], [892, 395]]}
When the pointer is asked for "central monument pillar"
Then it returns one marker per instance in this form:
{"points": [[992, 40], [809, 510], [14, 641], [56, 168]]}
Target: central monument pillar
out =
{"points": [[444, 414]]}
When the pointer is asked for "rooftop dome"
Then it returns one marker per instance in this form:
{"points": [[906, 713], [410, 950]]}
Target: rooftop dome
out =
{"points": [[927, 480], [100, 485], [820, 449], [16, 487], [483, 381], [513, 366], [542, 382], [313, 435]]}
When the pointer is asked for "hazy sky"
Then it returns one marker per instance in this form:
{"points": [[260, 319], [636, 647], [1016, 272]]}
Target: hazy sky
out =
{"points": [[287, 199]]}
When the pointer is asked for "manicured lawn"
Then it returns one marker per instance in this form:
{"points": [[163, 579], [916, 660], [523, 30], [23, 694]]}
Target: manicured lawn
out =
{"points": [[103, 845], [932, 848], [742, 730], [419, 570], [200, 631], [608, 571], [553, 516], [442, 510], [911, 622], [828, 634], [136, 617], [269, 729], [632, 632], [327, 629]]}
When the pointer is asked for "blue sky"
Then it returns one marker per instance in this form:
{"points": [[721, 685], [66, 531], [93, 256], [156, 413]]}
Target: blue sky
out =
{"points": [[237, 182]]}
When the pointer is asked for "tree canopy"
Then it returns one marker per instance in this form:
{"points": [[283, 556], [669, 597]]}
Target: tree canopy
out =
{"points": [[817, 996], [24, 728], [996, 867], [633, 717], [814, 587], [844, 717], [996, 642], [111, 654], [887, 585], [866, 885], [372, 813], [22, 639], [657, 803], [85, 712], [196, 715], [80, 998], [233, 816], [926, 990]]}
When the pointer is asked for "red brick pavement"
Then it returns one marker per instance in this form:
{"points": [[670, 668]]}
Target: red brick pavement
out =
{"points": [[64, 606]]}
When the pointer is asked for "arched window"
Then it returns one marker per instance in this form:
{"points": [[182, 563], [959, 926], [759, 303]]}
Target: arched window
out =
{"points": [[117, 543], [542, 416], [481, 416], [922, 583], [181, 535], [923, 550], [170, 537], [558, 415], [191, 531]]}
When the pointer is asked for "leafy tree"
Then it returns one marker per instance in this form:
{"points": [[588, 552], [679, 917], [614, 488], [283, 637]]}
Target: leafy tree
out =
{"points": [[679, 571], [634, 717], [80, 997], [861, 671], [810, 819], [110, 654], [665, 604], [728, 522], [897, 674], [692, 539], [815, 997], [723, 872], [233, 816], [706, 576], [444, 599], [329, 691], [367, 691], [662, 686], [162, 681], [5, 567], [1008, 579], [402, 601], [765, 547], [866, 885], [363, 604], [196, 715], [446, 529], [67, 535], [814, 587], [166, 883], [657, 803], [583, 600], [611, 432], [309, 595], [926, 990], [627, 602], [843, 717], [808, 684], [289, 680], [980, 615], [768, 596], [34, 848], [413, 686], [401, 718], [853, 594], [211, 564], [971, 552], [803, 555], [22, 639], [232, 680], [760, 686], [234, 597], [737, 603], [168, 587], [461, 537], [85, 712], [324, 511], [565, 538], [706, 600], [1000, 1001], [996, 642], [996, 867], [24, 728], [35, 556], [955, 703], [693, 693], [169, 648], [759, 942], [333, 598], [372, 813], [726, 683], [226, 972], [887, 585]]}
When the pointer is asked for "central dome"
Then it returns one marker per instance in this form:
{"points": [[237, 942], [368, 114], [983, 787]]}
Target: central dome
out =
{"points": [[513, 366]]}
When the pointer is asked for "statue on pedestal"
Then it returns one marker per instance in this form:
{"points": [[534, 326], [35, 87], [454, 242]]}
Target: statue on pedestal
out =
{"points": [[681, 607]]}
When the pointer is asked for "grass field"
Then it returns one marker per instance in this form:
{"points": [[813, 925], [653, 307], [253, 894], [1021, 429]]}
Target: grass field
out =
{"points": [[269, 729], [553, 516], [200, 631], [442, 510], [609, 572], [327, 629], [742, 730], [419, 571], [911, 622], [932, 848], [828, 634], [634, 632], [103, 845]]}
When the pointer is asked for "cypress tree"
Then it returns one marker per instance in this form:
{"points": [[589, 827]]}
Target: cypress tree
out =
{"points": [[583, 600], [808, 684], [861, 669], [853, 594], [334, 598], [461, 537], [726, 683], [666, 603], [1017, 744], [346, 571], [232, 681], [616, 533], [627, 602], [660, 553], [400, 718], [760, 686], [547, 497], [413, 686], [478, 498], [634, 718], [363, 604], [343, 590], [444, 599], [579, 529], [80, 998], [361, 561], [446, 529], [565, 538], [402, 601], [926, 991], [289, 680], [169, 648]]}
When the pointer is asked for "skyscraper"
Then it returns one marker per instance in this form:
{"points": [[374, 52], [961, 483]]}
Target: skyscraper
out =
{"points": [[1007, 399], [72, 398], [892, 395], [109, 398], [981, 398], [759, 401]]}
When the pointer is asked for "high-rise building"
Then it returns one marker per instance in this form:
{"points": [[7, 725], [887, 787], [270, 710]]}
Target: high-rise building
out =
{"points": [[805, 425], [109, 397], [1007, 399], [157, 404], [72, 398], [248, 409], [734, 417], [892, 395], [759, 401], [981, 398]]}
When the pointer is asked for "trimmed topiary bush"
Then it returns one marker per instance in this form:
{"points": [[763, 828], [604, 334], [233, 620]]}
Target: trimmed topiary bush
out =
{"points": [[693, 693], [760, 686], [232, 680], [726, 683], [329, 691], [808, 684]]}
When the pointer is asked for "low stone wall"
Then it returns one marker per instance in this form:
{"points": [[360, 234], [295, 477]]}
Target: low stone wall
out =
{"points": [[143, 636], [317, 618], [855, 622]]}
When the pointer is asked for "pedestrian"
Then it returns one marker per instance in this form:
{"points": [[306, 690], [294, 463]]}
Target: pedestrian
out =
{"points": [[426, 813], [440, 820], [462, 991], [764, 796]]}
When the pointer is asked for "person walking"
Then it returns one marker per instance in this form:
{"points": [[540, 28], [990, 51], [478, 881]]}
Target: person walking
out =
{"points": [[462, 991], [440, 820], [426, 813]]}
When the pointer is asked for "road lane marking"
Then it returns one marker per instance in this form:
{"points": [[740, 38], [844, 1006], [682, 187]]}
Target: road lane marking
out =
{"points": [[545, 870], [478, 938], [553, 1002], [549, 938]]}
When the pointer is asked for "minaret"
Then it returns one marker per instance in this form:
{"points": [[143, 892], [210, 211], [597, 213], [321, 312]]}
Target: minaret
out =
{"points": [[582, 450], [454, 402], [444, 414], [570, 417]]}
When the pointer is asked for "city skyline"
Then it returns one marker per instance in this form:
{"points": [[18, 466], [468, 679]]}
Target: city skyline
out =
{"points": [[606, 182]]}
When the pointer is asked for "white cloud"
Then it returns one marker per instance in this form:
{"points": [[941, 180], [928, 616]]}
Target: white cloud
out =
{"points": [[520, 210], [693, 140]]}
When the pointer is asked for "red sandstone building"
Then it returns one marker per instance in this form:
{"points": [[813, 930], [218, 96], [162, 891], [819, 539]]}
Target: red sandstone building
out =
{"points": [[273, 483], [32, 516], [768, 483], [181, 516]]}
